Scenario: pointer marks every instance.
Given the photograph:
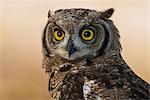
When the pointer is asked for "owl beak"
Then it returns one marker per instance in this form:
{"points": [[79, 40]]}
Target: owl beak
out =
{"points": [[71, 48]]}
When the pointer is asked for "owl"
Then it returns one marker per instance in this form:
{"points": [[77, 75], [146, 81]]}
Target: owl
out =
{"points": [[82, 56]]}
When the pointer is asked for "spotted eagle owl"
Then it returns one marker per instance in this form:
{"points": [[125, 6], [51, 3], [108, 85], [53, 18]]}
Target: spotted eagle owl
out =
{"points": [[81, 54]]}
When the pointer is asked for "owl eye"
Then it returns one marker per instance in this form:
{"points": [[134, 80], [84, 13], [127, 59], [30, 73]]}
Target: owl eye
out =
{"points": [[87, 34], [59, 35]]}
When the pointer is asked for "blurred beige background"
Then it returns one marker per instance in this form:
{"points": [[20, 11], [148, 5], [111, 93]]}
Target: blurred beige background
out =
{"points": [[21, 25]]}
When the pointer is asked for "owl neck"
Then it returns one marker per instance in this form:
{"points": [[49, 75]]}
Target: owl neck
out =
{"points": [[107, 65]]}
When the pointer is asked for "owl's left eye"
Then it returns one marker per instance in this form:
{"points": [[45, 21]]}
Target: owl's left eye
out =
{"points": [[87, 34], [59, 35]]}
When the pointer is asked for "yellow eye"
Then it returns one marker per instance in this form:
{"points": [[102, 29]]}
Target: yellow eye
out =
{"points": [[59, 35], [87, 34]]}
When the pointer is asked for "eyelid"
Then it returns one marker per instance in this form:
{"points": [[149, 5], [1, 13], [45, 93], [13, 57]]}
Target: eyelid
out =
{"points": [[57, 28], [89, 26]]}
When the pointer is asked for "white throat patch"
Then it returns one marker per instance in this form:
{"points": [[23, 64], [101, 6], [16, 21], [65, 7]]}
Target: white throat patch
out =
{"points": [[87, 90]]}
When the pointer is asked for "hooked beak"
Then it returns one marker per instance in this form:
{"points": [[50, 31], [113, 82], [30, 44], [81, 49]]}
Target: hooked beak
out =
{"points": [[71, 48]]}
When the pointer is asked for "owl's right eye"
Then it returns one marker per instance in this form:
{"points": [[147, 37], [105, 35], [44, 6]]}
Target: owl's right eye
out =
{"points": [[59, 35]]}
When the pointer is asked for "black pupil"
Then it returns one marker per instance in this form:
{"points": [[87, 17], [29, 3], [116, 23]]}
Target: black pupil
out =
{"points": [[87, 34], [59, 34]]}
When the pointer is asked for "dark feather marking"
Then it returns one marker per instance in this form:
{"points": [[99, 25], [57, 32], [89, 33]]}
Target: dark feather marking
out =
{"points": [[44, 41], [65, 68], [49, 85], [105, 42]]}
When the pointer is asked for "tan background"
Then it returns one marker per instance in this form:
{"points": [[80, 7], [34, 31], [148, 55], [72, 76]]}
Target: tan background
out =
{"points": [[21, 25]]}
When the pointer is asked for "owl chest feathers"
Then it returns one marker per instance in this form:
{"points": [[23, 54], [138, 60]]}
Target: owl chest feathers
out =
{"points": [[82, 81], [101, 79]]}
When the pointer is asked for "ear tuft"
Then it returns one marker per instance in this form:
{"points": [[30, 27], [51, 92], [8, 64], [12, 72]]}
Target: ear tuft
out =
{"points": [[49, 14], [108, 13]]}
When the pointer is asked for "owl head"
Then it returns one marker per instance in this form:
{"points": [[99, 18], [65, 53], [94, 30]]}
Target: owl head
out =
{"points": [[80, 33]]}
